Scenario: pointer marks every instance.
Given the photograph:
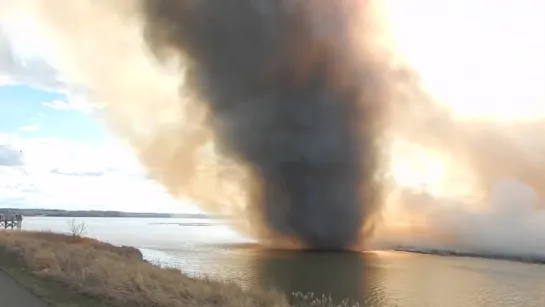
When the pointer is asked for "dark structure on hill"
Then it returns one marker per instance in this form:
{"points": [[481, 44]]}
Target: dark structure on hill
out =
{"points": [[11, 221]]}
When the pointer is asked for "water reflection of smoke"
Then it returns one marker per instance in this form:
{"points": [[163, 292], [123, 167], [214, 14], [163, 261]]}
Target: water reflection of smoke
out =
{"points": [[339, 275]]}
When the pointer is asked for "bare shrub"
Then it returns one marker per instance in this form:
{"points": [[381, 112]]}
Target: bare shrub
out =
{"points": [[77, 230]]}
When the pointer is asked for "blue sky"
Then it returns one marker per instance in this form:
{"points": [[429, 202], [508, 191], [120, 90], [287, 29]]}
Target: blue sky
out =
{"points": [[57, 155], [36, 113], [54, 150]]}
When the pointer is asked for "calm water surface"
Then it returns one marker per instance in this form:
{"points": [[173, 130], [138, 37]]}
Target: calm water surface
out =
{"points": [[207, 248]]}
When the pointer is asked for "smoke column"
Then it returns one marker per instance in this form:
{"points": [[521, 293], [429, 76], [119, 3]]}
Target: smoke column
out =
{"points": [[290, 116], [289, 100]]}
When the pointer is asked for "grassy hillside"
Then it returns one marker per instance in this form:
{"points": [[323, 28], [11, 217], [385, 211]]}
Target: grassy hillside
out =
{"points": [[68, 270]]}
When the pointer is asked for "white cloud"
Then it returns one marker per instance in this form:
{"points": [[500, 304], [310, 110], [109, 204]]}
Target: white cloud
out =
{"points": [[34, 72], [10, 156], [76, 100], [70, 105], [25, 58], [54, 173], [32, 127]]}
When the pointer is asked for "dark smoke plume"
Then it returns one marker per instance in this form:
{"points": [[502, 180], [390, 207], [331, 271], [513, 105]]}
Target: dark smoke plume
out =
{"points": [[272, 100], [288, 100]]}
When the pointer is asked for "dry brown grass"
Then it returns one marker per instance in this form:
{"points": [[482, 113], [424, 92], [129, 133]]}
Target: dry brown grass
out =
{"points": [[71, 271], [118, 276]]}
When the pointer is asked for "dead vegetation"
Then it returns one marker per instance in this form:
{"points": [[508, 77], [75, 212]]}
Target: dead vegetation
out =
{"points": [[69, 270], [117, 276], [77, 230]]}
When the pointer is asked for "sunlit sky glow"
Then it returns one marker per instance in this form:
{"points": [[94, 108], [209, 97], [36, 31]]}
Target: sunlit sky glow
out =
{"points": [[483, 59]]}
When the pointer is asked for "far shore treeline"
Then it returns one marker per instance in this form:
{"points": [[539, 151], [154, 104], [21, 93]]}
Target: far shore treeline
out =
{"points": [[99, 213]]}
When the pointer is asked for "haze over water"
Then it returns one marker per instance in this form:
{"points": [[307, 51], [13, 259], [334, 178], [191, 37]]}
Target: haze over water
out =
{"points": [[203, 247]]}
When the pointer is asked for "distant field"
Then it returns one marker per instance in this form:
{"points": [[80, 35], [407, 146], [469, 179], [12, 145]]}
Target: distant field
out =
{"points": [[98, 213]]}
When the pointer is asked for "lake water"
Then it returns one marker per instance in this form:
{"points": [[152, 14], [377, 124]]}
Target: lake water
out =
{"points": [[202, 247]]}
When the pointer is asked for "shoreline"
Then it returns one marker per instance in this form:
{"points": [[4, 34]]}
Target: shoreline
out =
{"points": [[451, 253], [40, 212], [72, 270], [528, 259]]}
